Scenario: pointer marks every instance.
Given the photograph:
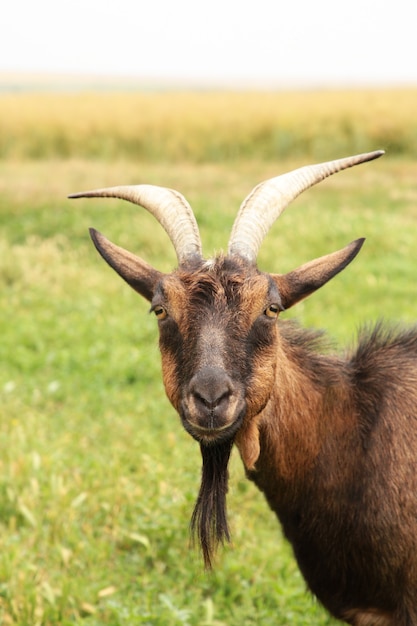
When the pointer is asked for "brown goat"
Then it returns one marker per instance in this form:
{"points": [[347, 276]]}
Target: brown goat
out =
{"points": [[331, 442]]}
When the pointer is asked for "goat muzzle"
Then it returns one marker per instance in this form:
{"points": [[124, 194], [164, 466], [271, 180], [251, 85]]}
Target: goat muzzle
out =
{"points": [[213, 406]]}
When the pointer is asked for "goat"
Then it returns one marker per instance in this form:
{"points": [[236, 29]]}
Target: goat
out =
{"points": [[330, 441]]}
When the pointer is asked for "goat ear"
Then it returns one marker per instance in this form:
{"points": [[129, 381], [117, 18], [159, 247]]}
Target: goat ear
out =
{"points": [[141, 276], [309, 277]]}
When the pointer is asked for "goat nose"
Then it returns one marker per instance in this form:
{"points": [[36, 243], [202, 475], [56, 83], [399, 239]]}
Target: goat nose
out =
{"points": [[210, 386]]}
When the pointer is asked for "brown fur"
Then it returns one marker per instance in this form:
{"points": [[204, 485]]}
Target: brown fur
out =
{"points": [[337, 465]]}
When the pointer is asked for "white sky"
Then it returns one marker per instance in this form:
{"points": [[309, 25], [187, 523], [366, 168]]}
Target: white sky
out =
{"points": [[273, 42]]}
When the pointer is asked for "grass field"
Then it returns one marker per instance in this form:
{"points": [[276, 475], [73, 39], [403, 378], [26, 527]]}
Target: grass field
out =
{"points": [[206, 126], [97, 478]]}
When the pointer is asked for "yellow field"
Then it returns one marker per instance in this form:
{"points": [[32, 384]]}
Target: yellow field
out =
{"points": [[207, 126]]}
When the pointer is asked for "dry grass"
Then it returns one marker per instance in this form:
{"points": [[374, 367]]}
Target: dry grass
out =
{"points": [[207, 126]]}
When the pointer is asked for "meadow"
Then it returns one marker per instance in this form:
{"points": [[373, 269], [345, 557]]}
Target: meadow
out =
{"points": [[201, 127], [97, 477]]}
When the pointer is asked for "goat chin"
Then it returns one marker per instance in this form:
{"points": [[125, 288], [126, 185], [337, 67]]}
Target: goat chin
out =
{"points": [[212, 436]]}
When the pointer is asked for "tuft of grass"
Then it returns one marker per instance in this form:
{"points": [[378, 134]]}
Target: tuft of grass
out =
{"points": [[97, 477]]}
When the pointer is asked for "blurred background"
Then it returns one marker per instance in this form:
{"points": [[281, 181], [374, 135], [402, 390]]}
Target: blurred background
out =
{"points": [[97, 477], [233, 44], [67, 65]]}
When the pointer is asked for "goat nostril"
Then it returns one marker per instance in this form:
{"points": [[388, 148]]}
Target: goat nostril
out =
{"points": [[211, 402], [201, 399]]}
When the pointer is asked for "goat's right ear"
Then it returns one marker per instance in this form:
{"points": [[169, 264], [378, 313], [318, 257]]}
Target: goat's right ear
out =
{"points": [[306, 279], [141, 276]]}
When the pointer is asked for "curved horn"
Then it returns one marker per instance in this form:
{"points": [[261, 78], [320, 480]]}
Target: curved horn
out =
{"points": [[268, 200], [169, 207]]}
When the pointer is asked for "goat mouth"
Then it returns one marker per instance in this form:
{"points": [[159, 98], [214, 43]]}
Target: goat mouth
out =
{"points": [[211, 425], [209, 435]]}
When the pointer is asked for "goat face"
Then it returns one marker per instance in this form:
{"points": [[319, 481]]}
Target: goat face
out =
{"points": [[218, 337], [218, 331]]}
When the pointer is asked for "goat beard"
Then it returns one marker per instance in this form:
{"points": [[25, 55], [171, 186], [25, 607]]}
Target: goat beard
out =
{"points": [[209, 518]]}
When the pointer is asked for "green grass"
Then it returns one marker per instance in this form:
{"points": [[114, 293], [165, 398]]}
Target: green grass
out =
{"points": [[97, 477]]}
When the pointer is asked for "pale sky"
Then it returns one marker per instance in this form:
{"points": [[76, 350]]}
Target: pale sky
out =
{"points": [[257, 42]]}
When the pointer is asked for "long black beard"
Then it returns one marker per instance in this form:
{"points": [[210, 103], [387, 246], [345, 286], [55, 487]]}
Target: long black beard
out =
{"points": [[209, 518]]}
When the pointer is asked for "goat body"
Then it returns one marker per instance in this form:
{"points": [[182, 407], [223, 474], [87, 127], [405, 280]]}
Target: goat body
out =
{"points": [[337, 465], [330, 441]]}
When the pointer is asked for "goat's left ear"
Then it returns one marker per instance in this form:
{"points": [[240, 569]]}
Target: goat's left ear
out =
{"points": [[141, 276], [309, 277]]}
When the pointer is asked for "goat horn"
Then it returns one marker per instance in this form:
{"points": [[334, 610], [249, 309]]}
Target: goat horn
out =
{"points": [[268, 200], [168, 206]]}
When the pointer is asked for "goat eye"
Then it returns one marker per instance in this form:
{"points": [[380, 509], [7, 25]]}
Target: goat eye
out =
{"points": [[272, 311], [160, 312]]}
